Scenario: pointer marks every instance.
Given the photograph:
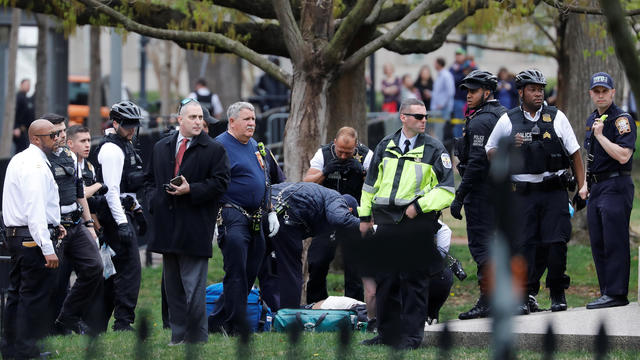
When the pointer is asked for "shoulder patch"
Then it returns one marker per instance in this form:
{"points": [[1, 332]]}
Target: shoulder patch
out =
{"points": [[623, 126], [446, 160]]}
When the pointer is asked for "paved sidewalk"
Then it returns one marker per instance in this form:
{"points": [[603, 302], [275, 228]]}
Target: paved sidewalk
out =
{"points": [[575, 329]]}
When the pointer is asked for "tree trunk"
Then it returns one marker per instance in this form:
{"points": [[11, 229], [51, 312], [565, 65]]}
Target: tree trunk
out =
{"points": [[42, 98], [10, 99], [165, 81], [348, 104], [306, 127], [95, 89], [583, 46]]}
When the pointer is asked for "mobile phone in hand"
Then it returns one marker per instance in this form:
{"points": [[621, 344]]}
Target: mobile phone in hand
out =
{"points": [[169, 187], [177, 181]]}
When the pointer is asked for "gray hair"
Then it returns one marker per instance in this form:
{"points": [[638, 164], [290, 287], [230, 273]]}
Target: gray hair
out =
{"points": [[406, 103], [190, 103], [234, 109]]}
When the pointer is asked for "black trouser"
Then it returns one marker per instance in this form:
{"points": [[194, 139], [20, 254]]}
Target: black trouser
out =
{"points": [[28, 299], [242, 253], [402, 295], [80, 254], [439, 290], [548, 256], [321, 253], [268, 276], [121, 290], [547, 228], [480, 215]]}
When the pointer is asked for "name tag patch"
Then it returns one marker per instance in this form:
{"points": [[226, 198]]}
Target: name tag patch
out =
{"points": [[446, 161], [478, 140], [622, 123]]}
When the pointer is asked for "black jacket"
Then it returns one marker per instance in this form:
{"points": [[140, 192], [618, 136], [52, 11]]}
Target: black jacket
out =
{"points": [[319, 208], [185, 224]]}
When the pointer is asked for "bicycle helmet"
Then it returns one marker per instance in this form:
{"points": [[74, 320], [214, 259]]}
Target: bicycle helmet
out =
{"points": [[480, 79], [530, 76], [126, 113]]}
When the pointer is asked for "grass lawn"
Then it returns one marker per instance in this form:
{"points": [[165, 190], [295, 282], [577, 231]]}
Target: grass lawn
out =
{"points": [[320, 346]]}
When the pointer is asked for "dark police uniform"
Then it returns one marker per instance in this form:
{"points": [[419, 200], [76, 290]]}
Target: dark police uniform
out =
{"points": [[306, 209], [121, 290], [80, 252], [323, 247], [242, 245], [610, 201], [541, 190], [474, 187]]}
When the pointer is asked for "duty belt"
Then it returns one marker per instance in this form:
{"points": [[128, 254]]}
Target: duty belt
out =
{"points": [[600, 177], [526, 187], [72, 218], [255, 217], [23, 231]]}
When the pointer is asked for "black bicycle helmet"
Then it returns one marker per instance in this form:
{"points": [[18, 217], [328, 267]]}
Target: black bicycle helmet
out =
{"points": [[530, 76], [126, 113], [480, 79]]}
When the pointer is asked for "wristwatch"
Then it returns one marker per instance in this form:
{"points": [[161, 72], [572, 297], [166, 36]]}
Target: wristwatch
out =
{"points": [[89, 223]]}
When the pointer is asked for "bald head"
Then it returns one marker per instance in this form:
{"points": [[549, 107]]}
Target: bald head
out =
{"points": [[40, 127], [40, 135]]}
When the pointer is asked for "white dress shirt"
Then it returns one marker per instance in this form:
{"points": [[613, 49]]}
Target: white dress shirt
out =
{"points": [[402, 140], [111, 158], [561, 126], [30, 196]]}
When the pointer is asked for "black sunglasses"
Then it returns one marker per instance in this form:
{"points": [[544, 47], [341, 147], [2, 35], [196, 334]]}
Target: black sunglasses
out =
{"points": [[52, 135], [417, 116], [185, 101]]}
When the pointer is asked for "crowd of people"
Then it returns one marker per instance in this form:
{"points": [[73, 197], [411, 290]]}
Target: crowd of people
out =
{"points": [[382, 206]]}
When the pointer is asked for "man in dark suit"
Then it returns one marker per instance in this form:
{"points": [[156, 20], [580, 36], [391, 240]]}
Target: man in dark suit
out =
{"points": [[184, 212]]}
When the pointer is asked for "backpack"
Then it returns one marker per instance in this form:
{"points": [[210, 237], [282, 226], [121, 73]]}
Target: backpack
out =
{"points": [[259, 315]]}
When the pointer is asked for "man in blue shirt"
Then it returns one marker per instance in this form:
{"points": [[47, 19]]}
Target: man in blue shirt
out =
{"points": [[240, 236]]}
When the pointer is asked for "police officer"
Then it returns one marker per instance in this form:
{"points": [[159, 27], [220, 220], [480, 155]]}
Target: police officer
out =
{"points": [[121, 171], [341, 166], [548, 147], [482, 114], [410, 181], [240, 235], [31, 212], [610, 140], [79, 246], [305, 209]]}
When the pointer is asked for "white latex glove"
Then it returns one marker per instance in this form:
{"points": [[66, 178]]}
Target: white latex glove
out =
{"points": [[274, 224]]}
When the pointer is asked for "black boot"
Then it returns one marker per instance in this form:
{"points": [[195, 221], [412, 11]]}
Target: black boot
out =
{"points": [[479, 310], [558, 301], [532, 303]]}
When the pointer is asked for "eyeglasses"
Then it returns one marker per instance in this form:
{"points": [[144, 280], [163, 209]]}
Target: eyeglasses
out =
{"points": [[52, 135], [185, 101], [418, 116]]}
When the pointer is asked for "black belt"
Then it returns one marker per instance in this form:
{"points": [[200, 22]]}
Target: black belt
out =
{"points": [[600, 177], [22, 231], [248, 214], [72, 218], [524, 187]]}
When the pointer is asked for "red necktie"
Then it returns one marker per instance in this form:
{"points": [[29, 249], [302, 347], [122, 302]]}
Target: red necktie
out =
{"points": [[181, 150]]}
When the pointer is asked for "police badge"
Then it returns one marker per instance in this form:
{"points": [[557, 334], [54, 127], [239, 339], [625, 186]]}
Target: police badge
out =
{"points": [[546, 117]]}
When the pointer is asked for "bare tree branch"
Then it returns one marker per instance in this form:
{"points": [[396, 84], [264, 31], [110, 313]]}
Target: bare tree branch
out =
{"points": [[375, 12], [398, 11], [383, 40], [339, 43], [205, 38], [290, 29], [540, 27], [515, 49], [584, 9]]}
